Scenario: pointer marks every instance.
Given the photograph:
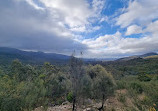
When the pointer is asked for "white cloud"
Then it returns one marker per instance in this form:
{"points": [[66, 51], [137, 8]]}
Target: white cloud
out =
{"points": [[152, 27], [74, 13], [31, 2], [138, 11], [133, 29], [116, 45], [104, 19], [58, 25], [78, 15]]}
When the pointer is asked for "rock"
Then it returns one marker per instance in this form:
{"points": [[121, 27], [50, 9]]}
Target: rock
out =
{"points": [[89, 109], [89, 101], [65, 103]]}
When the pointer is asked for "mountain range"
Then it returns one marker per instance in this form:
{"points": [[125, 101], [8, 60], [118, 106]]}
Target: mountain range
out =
{"points": [[7, 55], [144, 56]]}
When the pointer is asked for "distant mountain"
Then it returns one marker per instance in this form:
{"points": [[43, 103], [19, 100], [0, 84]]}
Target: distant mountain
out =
{"points": [[9, 54], [144, 56], [148, 54]]}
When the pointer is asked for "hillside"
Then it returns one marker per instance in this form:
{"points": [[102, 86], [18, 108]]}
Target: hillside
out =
{"points": [[9, 54], [147, 55], [127, 85], [136, 66], [150, 57]]}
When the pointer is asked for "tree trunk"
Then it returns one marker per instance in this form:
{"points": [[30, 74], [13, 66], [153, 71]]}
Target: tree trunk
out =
{"points": [[74, 103], [102, 107], [103, 100]]}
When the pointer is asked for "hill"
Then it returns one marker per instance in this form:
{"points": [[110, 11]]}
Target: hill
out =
{"points": [[147, 55], [9, 54], [135, 66]]}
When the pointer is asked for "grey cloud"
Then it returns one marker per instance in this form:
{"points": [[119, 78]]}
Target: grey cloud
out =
{"points": [[24, 27]]}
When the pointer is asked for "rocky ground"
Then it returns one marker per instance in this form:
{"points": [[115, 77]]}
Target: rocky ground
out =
{"points": [[111, 104]]}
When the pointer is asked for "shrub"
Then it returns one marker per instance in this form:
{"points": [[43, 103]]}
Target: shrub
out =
{"points": [[137, 87], [11, 104], [70, 97], [121, 85], [122, 98], [146, 100], [144, 77]]}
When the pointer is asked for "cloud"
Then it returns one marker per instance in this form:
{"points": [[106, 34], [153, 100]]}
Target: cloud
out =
{"points": [[24, 26], [77, 15], [141, 12], [47, 25], [115, 45], [61, 26], [152, 27], [139, 17], [133, 29]]}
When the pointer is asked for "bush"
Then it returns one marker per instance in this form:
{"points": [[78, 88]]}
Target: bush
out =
{"points": [[70, 97], [122, 98], [146, 100], [11, 104], [144, 77], [137, 87], [121, 85]]}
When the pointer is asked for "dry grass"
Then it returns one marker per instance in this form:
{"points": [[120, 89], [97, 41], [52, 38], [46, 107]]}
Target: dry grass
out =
{"points": [[150, 57]]}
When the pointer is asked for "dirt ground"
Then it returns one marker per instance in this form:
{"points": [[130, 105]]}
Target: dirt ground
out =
{"points": [[111, 104]]}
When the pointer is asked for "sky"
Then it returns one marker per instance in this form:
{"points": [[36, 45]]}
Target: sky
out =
{"points": [[98, 28]]}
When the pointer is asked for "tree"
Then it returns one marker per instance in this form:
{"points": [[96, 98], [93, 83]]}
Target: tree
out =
{"points": [[76, 74], [103, 83], [86, 88], [104, 87]]}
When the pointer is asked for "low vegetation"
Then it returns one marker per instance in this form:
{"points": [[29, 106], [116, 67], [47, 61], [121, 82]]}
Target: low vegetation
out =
{"points": [[25, 87]]}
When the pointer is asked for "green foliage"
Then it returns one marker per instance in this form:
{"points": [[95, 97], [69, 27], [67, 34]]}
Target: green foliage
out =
{"points": [[144, 77], [146, 101], [1, 72], [103, 82], [132, 67], [137, 87], [103, 85], [122, 98], [70, 97], [86, 89], [11, 104], [121, 85], [26, 87]]}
